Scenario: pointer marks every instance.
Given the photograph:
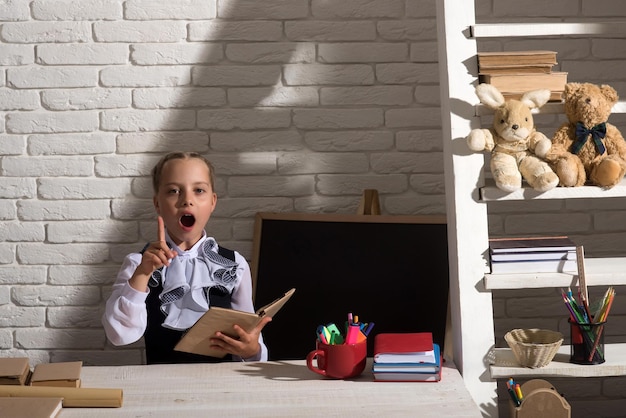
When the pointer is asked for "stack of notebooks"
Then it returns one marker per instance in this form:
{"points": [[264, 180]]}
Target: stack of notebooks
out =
{"points": [[556, 254], [516, 72], [406, 357]]}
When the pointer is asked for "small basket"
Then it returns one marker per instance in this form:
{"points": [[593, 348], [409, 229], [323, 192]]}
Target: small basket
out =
{"points": [[534, 347]]}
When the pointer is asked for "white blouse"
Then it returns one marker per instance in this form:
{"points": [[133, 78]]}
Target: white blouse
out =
{"points": [[184, 298]]}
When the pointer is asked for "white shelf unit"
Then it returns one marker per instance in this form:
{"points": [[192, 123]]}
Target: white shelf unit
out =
{"points": [[467, 194]]}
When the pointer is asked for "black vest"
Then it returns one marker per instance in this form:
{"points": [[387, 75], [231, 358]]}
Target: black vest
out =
{"points": [[160, 341]]}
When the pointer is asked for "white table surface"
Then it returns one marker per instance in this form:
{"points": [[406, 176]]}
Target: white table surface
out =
{"points": [[269, 389]]}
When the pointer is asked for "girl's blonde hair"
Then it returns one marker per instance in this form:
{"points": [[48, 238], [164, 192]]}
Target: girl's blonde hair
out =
{"points": [[178, 155]]}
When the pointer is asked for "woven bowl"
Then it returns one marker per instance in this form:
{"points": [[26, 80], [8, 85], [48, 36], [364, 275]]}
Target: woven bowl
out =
{"points": [[534, 347]]}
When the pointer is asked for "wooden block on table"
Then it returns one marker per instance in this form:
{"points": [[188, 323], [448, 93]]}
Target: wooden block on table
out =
{"points": [[14, 371], [16, 407], [63, 374]]}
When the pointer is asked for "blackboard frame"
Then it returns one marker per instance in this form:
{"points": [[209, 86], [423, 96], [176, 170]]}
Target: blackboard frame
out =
{"points": [[282, 256]]}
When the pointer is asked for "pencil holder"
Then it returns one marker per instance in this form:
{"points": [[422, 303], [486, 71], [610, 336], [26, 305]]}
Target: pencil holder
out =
{"points": [[540, 400], [587, 343]]}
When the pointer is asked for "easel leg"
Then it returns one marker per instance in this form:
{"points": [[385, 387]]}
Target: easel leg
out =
{"points": [[370, 204]]}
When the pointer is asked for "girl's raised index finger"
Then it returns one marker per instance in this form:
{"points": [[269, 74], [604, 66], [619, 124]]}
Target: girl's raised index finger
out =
{"points": [[161, 230]]}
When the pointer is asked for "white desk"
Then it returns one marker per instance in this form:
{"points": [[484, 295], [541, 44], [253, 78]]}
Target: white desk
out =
{"points": [[271, 389]]}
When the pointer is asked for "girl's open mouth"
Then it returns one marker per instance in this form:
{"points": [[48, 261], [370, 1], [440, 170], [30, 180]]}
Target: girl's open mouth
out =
{"points": [[187, 220]]}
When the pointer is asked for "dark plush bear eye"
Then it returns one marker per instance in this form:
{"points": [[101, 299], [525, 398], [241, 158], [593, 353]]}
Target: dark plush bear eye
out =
{"points": [[526, 119], [501, 120]]}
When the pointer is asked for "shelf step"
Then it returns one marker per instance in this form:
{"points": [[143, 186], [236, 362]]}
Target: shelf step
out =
{"points": [[491, 30], [490, 192], [598, 272], [505, 364]]}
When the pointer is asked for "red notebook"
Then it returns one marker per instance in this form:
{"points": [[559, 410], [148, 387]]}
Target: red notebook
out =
{"points": [[415, 347]]}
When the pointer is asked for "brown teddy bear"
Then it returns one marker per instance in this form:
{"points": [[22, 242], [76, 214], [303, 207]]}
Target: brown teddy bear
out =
{"points": [[516, 147], [588, 149]]}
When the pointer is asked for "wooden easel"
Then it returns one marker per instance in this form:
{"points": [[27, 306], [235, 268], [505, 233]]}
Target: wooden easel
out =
{"points": [[369, 203]]}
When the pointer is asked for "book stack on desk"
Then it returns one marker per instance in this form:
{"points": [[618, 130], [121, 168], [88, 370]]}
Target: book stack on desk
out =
{"points": [[555, 254], [406, 357], [516, 72]]}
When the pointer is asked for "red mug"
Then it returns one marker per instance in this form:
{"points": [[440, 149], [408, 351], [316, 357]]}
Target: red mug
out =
{"points": [[338, 361]]}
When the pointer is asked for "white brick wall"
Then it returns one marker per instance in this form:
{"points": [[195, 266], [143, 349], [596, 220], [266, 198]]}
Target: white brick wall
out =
{"points": [[300, 104]]}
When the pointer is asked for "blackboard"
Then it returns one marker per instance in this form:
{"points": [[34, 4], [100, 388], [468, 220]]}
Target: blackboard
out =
{"points": [[390, 270]]}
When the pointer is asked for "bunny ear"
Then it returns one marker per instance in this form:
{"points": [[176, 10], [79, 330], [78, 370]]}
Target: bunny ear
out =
{"points": [[489, 95], [536, 98]]}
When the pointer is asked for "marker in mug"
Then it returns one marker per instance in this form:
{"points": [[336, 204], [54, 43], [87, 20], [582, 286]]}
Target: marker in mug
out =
{"points": [[368, 329], [353, 333], [335, 335], [322, 331]]}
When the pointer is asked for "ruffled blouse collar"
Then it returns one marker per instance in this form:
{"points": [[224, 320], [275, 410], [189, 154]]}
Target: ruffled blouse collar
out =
{"points": [[188, 279]]}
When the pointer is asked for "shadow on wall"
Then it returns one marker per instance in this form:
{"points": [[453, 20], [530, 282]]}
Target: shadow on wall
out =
{"points": [[236, 89], [220, 93], [263, 92]]}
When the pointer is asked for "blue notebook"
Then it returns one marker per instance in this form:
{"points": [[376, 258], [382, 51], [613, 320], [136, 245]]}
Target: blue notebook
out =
{"points": [[410, 367]]}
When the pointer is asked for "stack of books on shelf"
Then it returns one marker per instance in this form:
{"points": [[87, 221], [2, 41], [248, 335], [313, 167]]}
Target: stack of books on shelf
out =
{"points": [[406, 357], [554, 254], [516, 72]]}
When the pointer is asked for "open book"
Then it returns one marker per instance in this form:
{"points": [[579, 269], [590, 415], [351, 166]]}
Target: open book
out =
{"points": [[197, 339]]}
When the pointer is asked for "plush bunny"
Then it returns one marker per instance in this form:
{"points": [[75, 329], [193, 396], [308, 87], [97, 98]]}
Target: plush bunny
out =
{"points": [[517, 149]]}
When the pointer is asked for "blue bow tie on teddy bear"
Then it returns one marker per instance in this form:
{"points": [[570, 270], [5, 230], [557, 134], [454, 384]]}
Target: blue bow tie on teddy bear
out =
{"points": [[598, 132]]}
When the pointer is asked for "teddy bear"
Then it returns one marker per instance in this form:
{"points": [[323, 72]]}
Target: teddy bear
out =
{"points": [[587, 149], [517, 148]]}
